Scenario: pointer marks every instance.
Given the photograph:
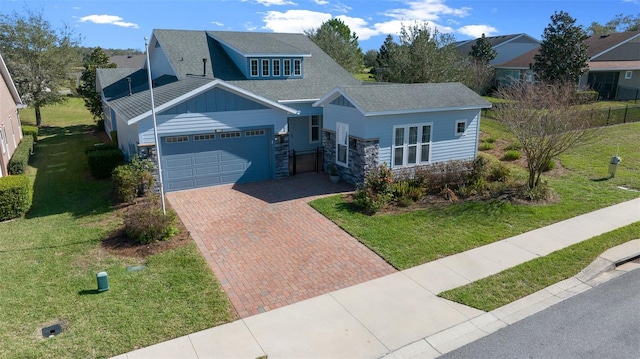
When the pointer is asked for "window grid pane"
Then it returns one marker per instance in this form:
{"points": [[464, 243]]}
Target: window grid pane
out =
{"points": [[426, 134], [287, 67], [276, 67], [424, 155], [399, 136], [411, 154], [413, 135], [397, 156]]}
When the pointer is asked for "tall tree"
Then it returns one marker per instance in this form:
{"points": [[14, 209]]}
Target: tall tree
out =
{"points": [[544, 119], [563, 54], [620, 23], [38, 56], [370, 58], [336, 39], [422, 55], [87, 89], [482, 51]]}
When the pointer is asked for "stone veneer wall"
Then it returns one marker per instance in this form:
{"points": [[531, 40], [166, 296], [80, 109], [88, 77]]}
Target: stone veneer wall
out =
{"points": [[282, 156], [363, 157], [149, 152]]}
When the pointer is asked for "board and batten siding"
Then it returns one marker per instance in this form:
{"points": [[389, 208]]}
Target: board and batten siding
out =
{"points": [[193, 123], [214, 100], [355, 119]]}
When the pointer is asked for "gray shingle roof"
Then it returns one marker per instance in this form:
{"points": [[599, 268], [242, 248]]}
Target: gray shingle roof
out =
{"points": [[270, 43], [375, 99]]}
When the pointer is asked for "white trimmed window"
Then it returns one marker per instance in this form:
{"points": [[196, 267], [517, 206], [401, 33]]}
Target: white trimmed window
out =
{"points": [[461, 127], [226, 135], [314, 126], [176, 139], [276, 67], [297, 67], [204, 137], [254, 67], [253, 133], [342, 143], [287, 67], [265, 67], [411, 145], [628, 75]]}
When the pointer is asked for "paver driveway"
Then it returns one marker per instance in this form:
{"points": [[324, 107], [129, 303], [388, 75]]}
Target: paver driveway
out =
{"points": [[268, 247]]}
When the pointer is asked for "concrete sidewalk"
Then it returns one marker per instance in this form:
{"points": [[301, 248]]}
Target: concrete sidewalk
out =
{"points": [[399, 315]]}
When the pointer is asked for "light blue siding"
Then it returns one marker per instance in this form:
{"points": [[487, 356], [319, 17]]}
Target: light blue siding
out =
{"points": [[445, 145], [127, 135], [342, 101], [214, 100], [191, 123], [160, 64]]}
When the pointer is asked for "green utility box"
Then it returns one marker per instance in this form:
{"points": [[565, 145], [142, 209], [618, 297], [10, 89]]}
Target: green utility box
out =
{"points": [[103, 281]]}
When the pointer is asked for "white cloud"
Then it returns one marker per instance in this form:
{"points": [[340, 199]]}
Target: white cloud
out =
{"points": [[268, 3], [476, 31], [321, 2], [296, 21], [217, 23], [427, 10], [108, 20]]}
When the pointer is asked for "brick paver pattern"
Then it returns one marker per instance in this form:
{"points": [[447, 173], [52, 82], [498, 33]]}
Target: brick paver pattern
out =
{"points": [[268, 247]]}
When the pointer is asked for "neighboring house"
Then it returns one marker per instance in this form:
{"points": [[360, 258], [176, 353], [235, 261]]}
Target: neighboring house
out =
{"points": [[230, 106], [10, 129], [128, 61], [507, 47], [614, 66]]}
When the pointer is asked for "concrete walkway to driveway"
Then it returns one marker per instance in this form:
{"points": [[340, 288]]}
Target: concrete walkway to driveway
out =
{"points": [[268, 247], [399, 315]]}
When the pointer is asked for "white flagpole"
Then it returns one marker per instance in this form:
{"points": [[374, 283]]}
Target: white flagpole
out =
{"points": [[155, 127]]}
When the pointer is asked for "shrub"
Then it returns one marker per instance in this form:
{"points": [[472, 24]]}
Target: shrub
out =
{"points": [[489, 140], [549, 166], [511, 155], [380, 179], [584, 97], [18, 163], [376, 191], [406, 192], [133, 179], [538, 193], [16, 194], [145, 223], [485, 146], [514, 146], [435, 177], [100, 125], [31, 131], [498, 172], [102, 163], [101, 147], [369, 202]]}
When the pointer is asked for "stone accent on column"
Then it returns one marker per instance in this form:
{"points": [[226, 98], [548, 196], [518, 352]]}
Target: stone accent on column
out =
{"points": [[282, 155], [149, 152], [363, 157]]}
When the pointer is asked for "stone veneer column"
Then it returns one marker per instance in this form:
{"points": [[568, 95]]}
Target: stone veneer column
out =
{"points": [[149, 152], [362, 158], [282, 155]]}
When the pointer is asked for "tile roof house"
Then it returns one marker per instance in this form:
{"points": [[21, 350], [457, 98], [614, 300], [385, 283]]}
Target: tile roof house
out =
{"points": [[10, 129], [232, 106], [614, 66]]}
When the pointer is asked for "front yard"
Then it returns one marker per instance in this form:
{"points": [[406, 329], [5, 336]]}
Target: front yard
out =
{"points": [[416, 237], [49, 261]]}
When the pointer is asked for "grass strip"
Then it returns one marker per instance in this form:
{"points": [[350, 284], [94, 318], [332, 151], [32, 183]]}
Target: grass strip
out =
{"points": [[527, 278]]}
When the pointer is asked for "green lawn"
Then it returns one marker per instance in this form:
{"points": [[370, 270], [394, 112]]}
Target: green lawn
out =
{"points": [[409, 239], [49, 262]]}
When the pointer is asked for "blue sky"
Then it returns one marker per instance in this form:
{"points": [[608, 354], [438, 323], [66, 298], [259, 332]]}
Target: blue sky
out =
{"points": [[125, 23]]}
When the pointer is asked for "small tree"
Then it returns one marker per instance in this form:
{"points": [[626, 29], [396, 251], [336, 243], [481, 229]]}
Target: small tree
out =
{"points": [[545, 122], [92, 99], [482, 51], [563, 54], [38, 57], [336, 39]]}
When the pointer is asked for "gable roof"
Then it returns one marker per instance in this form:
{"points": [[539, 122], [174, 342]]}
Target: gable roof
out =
{"points": [[619, 51], [6, 76], [384, 99], [464, 47], [185, 50]]}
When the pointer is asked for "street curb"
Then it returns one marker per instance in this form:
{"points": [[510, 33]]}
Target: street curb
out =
{"points": [[602, 269]]}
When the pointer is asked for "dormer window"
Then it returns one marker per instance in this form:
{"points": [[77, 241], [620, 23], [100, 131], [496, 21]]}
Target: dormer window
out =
{"points": [[287, 67], [276, 67], [254, 68], [265, 67], [297, 67]]}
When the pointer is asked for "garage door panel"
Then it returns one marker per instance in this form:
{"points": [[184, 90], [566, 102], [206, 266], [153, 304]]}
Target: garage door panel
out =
{"points": [[211, 170], [194, 164]]}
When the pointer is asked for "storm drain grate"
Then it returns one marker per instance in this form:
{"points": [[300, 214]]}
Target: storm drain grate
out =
{"points": [[51, 331]]}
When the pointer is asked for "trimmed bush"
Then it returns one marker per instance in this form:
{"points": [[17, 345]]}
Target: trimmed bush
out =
{"points": [[485, 146], [145, 223], [103, 162], [16, 194], [511, 155], [31, 131], [101, 147], [18, 163], [133, 179]]}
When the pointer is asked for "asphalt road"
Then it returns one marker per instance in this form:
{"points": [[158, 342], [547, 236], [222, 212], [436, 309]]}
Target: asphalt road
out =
{"points": [[603, 322]]}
